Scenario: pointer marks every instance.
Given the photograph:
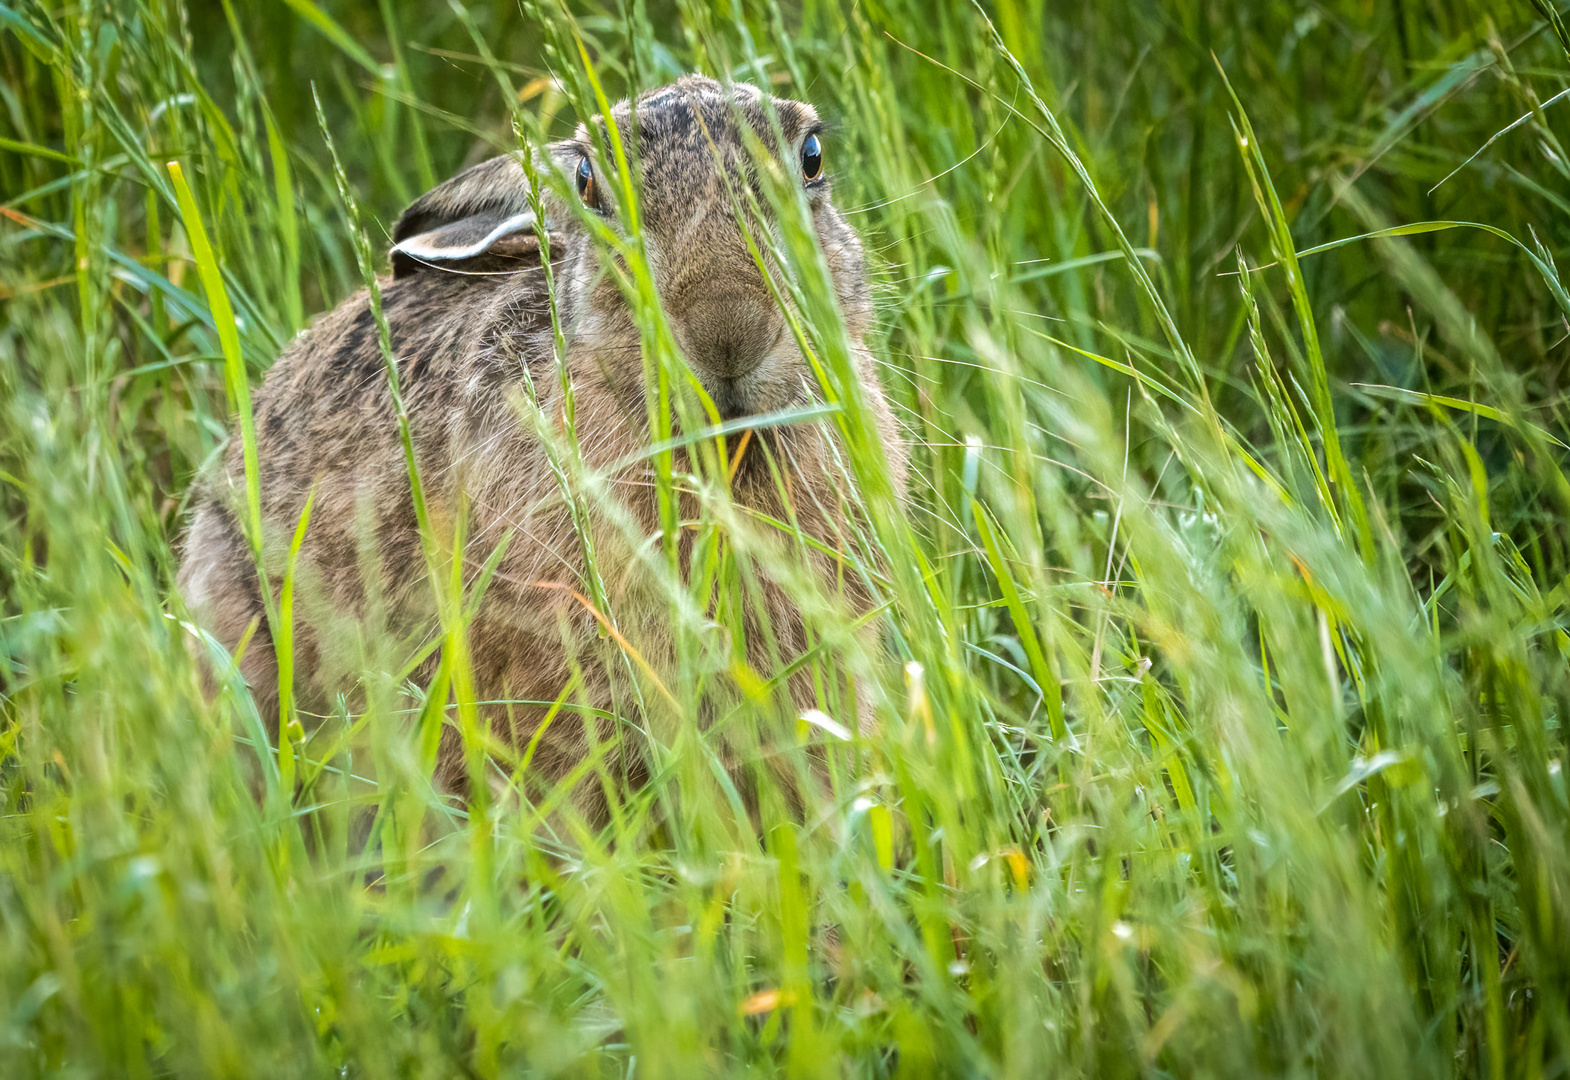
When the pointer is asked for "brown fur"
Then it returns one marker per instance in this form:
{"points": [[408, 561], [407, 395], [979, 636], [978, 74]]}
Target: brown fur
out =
{"points": [[467, 343]]}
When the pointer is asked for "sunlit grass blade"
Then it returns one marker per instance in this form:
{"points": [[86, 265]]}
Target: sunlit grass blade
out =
{"points": [[235, 377]]}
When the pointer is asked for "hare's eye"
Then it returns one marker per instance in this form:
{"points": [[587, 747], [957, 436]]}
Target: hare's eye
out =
{"points": [[587, 189], [811, 159]]}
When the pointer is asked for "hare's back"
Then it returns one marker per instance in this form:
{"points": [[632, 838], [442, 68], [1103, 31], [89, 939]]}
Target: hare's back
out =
{"points": [[325, 419]]}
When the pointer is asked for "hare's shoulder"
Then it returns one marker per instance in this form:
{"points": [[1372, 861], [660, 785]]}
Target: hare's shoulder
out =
{"points": [[326, 404], [439, 326]]}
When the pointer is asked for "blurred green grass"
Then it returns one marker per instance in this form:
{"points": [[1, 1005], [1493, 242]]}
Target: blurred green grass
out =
{"points": [[1224, 736]]}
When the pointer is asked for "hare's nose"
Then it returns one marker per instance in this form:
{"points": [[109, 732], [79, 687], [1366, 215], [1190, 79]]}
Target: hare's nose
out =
{"points": [[728, 334]]}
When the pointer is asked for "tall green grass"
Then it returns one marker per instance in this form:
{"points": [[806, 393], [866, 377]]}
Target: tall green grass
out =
{"points": [[1221, 732]]}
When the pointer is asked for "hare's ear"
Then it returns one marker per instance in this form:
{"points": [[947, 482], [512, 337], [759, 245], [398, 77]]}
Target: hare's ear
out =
{"points": [[482, 211], [460, 241]]}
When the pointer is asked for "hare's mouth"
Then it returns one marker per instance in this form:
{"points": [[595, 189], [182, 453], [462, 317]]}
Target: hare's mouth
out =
{"points": [[735, 398]]}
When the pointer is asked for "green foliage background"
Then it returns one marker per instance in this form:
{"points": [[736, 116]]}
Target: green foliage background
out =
{"points": [[1225, 735]]}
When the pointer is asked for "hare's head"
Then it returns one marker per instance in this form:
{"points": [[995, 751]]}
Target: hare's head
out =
{"points": [[699, 152]]}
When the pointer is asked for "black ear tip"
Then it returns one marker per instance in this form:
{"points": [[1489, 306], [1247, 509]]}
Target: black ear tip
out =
{"points": [[402, 265], [412, 221]]}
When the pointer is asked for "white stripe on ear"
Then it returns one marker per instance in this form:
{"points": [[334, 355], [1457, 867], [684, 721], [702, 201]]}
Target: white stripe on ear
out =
{"points": [[456, 241]]}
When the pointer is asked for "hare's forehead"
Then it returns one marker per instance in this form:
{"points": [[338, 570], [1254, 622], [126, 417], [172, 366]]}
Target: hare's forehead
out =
{"points": [[679, 120]]}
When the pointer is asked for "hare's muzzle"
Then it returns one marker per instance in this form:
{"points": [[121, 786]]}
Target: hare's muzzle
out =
{"points": [[727, 334]]}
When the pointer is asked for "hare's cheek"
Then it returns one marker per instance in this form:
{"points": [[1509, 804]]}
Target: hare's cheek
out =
{"points": [[846, 262], [596, 282]]}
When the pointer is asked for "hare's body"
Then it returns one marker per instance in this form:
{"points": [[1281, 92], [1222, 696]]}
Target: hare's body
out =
{"points": [[474, 347]]}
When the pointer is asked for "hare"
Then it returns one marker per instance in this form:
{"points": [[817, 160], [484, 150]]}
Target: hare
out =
{"points": [[469, 313]]}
